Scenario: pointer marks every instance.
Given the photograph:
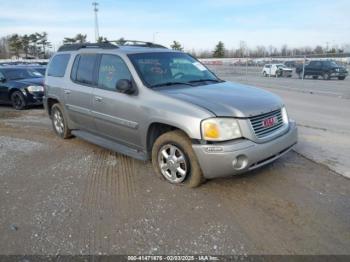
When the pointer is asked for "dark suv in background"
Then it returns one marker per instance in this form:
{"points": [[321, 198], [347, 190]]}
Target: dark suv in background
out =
{"points": [[325, 69]]}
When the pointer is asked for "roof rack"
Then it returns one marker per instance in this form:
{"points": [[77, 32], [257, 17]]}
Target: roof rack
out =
{"points": [[110, 44], [136, 43], [73, 47]]}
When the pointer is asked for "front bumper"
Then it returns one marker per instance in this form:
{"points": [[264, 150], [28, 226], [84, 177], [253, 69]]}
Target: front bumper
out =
{"points": [[339, 74], [219, 160], [35, 98]]}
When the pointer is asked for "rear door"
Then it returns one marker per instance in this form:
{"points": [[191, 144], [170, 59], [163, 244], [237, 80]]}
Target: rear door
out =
{"points": [[117, 115], [79, 92]]}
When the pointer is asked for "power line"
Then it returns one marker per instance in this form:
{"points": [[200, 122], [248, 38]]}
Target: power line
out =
{"points": [[97, 34]]}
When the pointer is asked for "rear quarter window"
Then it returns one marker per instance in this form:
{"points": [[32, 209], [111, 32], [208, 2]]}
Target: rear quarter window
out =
{"points": [[58, 65]]}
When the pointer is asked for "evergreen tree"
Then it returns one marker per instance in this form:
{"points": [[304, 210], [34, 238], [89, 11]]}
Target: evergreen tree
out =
{"points": [[176, 46], [219, 51]]}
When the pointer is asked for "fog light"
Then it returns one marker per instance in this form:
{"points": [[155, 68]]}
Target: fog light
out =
{"points": [[240, 162]]}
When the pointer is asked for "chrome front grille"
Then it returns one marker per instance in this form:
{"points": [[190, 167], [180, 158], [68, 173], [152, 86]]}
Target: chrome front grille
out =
{"points": [[262, 131]]}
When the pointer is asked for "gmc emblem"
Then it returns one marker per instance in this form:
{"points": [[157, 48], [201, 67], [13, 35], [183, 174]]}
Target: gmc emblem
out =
{"points": [[268, 122]]}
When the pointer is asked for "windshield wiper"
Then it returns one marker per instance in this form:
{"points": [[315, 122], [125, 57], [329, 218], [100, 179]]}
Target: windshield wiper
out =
{"points": [[205, 80], [171, 84]]}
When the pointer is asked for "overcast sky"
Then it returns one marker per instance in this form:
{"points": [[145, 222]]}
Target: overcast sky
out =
{"points": [[196, 24]]}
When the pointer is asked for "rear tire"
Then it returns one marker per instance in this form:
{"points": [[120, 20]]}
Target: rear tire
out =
{"points": [[59, 122], [173, 159], [18, 101], [315, 77]]}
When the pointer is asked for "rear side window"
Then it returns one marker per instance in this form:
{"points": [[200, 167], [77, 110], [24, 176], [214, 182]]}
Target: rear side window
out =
{"points": [[85, 68], [58, 65]]}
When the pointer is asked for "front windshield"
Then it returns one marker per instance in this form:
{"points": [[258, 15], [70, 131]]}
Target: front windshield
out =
{"points": [[332, 63], [21, 73], [281, 66], [167, 68]]}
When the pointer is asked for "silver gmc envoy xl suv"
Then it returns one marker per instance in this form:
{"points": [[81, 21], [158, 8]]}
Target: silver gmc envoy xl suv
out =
{"points": [[148, 102]]}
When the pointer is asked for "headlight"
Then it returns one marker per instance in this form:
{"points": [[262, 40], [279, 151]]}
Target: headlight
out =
{"points": [[285, 115], [220, 129], [32, 89]]}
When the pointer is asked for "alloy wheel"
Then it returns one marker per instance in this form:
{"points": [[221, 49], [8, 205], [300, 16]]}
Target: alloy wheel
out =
{"points": [[172, 163], [58, 122]]}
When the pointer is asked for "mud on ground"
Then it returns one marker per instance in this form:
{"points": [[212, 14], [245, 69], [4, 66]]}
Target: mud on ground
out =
{"points": [[71, 197]]}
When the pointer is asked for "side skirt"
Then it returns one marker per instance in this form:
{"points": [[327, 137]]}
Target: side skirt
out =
{"points": [[111, 145]]}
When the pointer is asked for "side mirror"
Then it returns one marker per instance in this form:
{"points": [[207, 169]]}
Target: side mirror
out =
{"points": [[2, 79], [125, 86]]}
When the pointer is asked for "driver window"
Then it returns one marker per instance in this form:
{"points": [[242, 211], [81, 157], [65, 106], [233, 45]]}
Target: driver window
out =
{"points": [[112, 69]]}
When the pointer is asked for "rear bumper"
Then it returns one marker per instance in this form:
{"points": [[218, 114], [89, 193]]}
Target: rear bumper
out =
{"points": [[239, 156]]}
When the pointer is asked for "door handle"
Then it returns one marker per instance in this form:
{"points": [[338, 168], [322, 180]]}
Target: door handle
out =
{"points": [[98, 99], [67, 92]]}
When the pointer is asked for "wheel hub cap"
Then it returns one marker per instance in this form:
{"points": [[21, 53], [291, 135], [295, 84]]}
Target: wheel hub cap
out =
{"points": [[58, 122], [172, 163]]}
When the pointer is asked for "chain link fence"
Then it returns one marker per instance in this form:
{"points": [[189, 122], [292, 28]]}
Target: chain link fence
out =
{"points": [[253, 67]]}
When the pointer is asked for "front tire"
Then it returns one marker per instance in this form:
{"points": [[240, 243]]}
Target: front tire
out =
{"points": [[59, 122], [341, 77], [326, 76], [173, 159], [18, 101]]}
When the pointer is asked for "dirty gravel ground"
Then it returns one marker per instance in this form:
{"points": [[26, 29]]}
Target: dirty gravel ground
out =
{"points": [[71, 197]]}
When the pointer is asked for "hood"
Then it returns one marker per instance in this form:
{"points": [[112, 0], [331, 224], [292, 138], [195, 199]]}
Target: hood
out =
{"points": [[228, 99], [32, 81]]}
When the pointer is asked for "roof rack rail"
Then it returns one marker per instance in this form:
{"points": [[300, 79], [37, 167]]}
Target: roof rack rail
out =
{"points": [[73, 47], [136, 43]]}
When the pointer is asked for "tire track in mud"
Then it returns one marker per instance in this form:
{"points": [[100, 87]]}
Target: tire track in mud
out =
{"points": [[108, 198]]}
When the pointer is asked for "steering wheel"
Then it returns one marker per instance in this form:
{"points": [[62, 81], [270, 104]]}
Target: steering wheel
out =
{"points": [[179, 75]]}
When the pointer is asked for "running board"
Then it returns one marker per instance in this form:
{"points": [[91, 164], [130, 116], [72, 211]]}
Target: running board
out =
{"points": [[109, 144]]}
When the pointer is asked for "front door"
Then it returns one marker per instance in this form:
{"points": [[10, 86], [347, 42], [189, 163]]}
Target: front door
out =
{"points": [[117, 115]]}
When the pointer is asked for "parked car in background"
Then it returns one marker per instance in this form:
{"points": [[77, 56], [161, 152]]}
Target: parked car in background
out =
{"points": [[149, 102], [291, 64], [277, 70], [326, 69], [21, 86]]}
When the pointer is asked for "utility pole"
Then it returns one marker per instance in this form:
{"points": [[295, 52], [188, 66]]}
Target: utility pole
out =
{"points": [[154, 36], [97, 34]]}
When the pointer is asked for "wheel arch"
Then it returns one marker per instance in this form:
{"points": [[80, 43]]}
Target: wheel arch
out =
{"points": [[12, 90], [50, 102], [156, 129]]}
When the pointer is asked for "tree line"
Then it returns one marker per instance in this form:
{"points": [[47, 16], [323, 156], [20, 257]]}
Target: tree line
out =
{"points": [[36, 45], [33, 45], [260, 51]]}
